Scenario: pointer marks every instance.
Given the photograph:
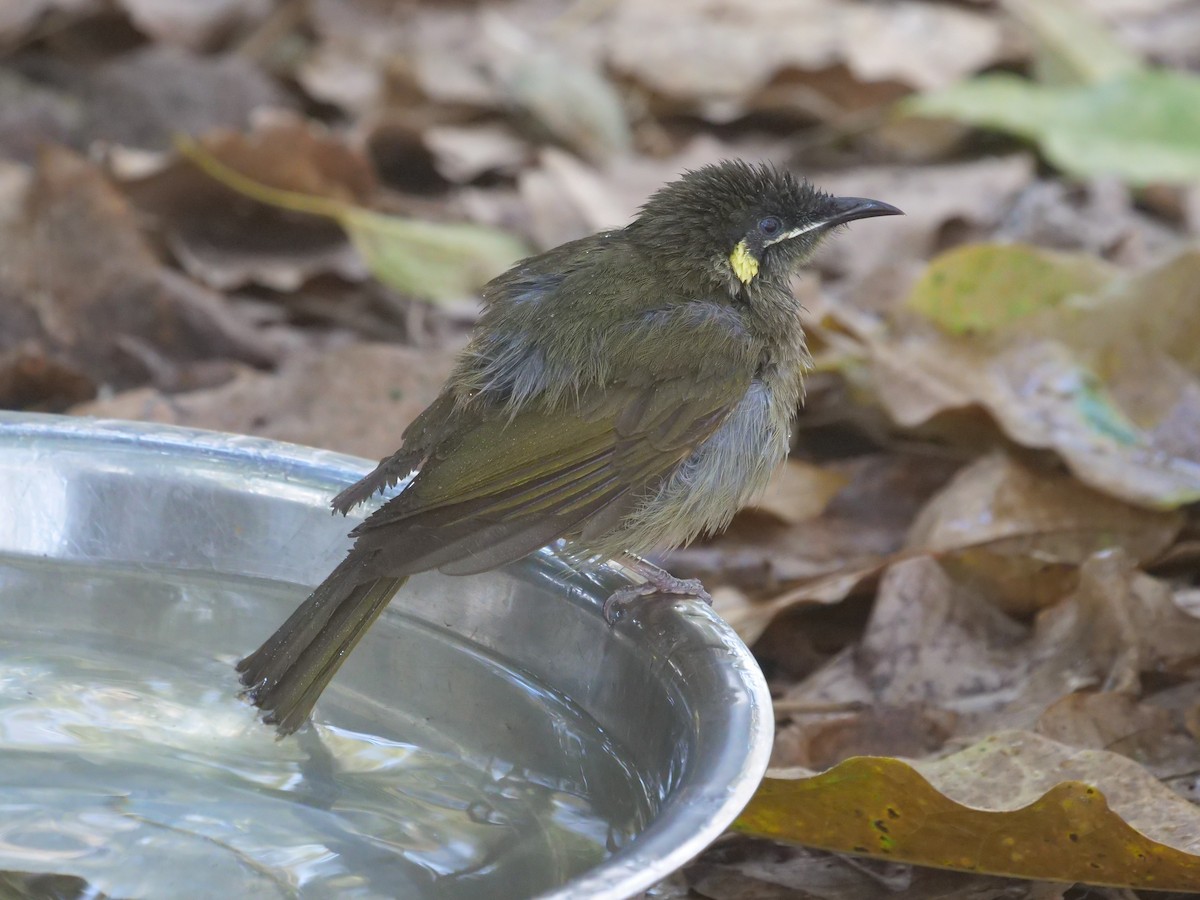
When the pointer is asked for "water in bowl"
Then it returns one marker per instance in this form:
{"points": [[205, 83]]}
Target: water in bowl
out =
{"points": [[127, 760]]}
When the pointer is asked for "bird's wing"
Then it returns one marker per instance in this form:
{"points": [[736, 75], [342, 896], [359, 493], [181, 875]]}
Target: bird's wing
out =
{"points": [[539, 277], [502, 488], [417, 439]]}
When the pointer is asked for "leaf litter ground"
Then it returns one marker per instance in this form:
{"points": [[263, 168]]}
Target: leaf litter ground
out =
{"points": [[973, 588]]}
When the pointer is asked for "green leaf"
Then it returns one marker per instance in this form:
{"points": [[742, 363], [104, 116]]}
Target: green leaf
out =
{"points": [[980, 288], [437, 260], [1142, 126]]}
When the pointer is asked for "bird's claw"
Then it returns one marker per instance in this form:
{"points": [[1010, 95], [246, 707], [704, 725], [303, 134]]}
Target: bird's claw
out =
{"points": [[666, 585]]}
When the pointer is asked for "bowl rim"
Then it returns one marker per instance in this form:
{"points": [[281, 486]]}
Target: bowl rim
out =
{"points": [[670, 841]]}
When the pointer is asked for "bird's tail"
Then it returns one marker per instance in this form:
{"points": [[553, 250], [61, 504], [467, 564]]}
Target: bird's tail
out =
{"points": [[285, 676]]}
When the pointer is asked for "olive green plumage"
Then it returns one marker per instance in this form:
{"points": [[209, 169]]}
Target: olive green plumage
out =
{"points": [[628, 391]]}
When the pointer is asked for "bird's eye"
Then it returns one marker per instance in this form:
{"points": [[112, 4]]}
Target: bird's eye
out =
{"points": [[769, 226]]}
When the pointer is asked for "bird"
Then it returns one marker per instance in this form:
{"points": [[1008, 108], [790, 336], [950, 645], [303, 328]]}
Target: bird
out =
{"points": [[627, 391]]}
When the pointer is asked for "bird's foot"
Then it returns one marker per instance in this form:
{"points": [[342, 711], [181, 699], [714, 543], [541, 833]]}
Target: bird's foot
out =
{"points": [[658, 582]]}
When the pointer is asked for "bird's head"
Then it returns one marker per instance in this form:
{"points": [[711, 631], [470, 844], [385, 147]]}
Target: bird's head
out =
{"points": [[744, 224]]}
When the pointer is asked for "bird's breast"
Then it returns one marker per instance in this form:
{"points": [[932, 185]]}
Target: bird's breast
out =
{"points": [[722, 475]]}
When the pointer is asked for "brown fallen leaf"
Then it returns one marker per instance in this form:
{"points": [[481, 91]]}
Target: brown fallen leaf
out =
{"points": [[821, 559], [368, 52], [1127, 622], [798, 491], [1149, 313], [1014, 804], [1144, 730], [30, 381], [1019, 532], [82, 279], [862, 524], [914, 730], [729, 51], [937, 642], [751, 618], [741, 868], [932, 641], [1166, 31], [546, 76], [192, 24], [356, 399], [229, 242], [445, 261]]}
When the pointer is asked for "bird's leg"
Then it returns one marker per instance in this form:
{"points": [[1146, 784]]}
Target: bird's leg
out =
{"points": [[657, 582]]}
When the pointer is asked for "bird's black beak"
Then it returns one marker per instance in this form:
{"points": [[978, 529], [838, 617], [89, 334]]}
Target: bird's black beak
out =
{"points": [[847, 209]]}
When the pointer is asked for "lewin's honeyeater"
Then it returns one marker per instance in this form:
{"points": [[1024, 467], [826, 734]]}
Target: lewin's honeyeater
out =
{"points": [[627, 391]]}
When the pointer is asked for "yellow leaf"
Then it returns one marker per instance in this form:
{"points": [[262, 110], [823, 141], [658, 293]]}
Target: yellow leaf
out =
{"points": [[885, 808], [980, 288]]}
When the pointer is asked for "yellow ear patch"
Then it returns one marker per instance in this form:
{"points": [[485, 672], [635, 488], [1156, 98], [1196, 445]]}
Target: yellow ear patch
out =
{"points": [[744, 265]]}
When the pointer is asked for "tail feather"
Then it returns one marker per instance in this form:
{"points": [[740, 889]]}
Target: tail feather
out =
{"points": [[285, 676]]}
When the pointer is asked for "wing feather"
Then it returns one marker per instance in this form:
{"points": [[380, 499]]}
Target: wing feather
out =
{"points": [[509, 486]]}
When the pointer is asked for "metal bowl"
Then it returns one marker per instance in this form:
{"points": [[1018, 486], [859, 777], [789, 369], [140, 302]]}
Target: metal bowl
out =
{"points": [[671, 682]]}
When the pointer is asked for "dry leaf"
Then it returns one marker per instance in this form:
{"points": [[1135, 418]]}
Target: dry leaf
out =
{"points": [[433, 260], [1009, 507], [33, 114], [143, 98], [719, 56], [1165, 31], [1119, 723], [227, 242], [1014, 804], [914, 730], [740, 868], [862, 524], [751, 618], [970, 197], [1056, 379], [84, 282], [1098, 217], [194, 24], [822, 559], [934, 642], [798, 491], [462, 154], [19, 17], [1126, 621], [565, 95], [357, 399], [980, 289], [31, 381]]}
